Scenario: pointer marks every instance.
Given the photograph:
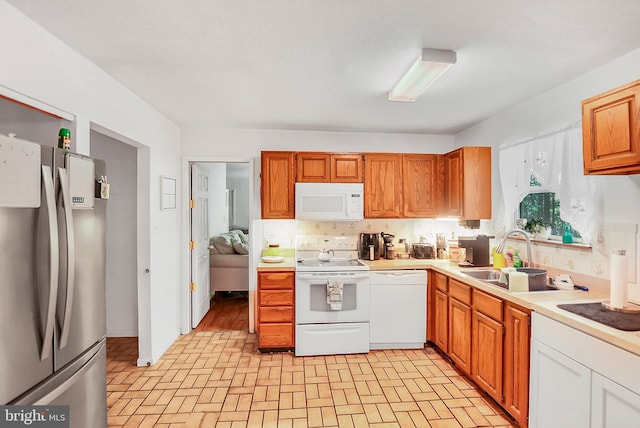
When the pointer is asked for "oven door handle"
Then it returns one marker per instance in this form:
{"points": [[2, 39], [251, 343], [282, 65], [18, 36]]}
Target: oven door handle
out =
{"points": [[341, 275]]}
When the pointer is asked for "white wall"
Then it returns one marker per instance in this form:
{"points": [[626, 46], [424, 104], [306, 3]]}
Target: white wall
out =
{"points": [[556, 109], [238, 179], [41, 68], [122, 280], [218, 213]]}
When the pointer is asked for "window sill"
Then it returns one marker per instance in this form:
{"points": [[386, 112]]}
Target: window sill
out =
{"points": [[555, 243]]}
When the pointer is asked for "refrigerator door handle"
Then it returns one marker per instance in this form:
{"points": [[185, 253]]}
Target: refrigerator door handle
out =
{"points": [[71, 256], [54, 255]]}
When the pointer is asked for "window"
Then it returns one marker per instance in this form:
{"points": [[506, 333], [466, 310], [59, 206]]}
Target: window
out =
{"points": [[540, 204]]}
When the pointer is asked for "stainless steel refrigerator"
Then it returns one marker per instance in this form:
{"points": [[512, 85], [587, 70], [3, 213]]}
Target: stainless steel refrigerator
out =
{"points": [[52, 280]]}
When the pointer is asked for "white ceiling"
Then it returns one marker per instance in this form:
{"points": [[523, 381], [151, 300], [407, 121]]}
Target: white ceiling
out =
{"points": [[328, 64]]}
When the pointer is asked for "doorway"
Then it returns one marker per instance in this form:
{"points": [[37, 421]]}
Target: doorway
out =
{"points": [[219, 234]]}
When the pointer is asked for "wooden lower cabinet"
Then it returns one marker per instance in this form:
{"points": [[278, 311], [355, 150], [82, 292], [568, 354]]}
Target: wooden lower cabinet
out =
{"points": [[487, 338], [441, 329], [517, 323], [460, 334], [486, 354], [276, 323]]}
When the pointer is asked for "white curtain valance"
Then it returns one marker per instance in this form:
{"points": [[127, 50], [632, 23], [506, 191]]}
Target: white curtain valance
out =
{"points": [[556, 162]]}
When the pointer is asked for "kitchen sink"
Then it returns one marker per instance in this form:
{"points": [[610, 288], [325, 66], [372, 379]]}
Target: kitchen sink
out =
{"points": [[483, 274], [492, 276]]}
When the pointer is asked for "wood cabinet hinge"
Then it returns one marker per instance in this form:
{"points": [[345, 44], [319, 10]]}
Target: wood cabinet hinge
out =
{"points": [[504, 330], [192, 245], [192, 286], [192, 203]]}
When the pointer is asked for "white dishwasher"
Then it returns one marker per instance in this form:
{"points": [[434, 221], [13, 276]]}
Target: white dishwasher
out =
{"points": [[398, 309]]}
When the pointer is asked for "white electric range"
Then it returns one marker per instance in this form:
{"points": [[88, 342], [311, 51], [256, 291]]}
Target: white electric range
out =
{"points": [[323, 328]]}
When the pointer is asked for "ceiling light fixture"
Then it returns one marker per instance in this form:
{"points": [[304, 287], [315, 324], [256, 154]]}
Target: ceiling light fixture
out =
{"points": [[426, 70]]}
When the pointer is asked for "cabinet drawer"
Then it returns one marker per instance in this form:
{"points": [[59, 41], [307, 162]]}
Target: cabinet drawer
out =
{"points": [[487, 304], [276, 280], [275, 335], [275, 297], [276, 314], [441, 282], [460, 291]]}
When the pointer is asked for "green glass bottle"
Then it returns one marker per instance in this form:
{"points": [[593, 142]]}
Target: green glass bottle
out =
{"points": [[567, 237]]}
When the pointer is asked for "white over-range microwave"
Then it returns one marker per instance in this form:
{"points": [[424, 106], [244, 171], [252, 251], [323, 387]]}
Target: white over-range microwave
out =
{"points": [[329, 201]]}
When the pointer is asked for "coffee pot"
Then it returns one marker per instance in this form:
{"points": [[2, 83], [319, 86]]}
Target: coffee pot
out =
{"points": [[389, 248]]}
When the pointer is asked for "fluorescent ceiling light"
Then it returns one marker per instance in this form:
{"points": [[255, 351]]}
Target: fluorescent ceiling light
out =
{"points": [[426, 70]]}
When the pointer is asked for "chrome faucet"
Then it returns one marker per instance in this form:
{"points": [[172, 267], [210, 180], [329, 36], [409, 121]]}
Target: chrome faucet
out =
{"points": [[500, 248]]}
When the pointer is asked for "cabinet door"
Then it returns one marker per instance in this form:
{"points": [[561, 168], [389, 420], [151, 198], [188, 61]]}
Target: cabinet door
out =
{"points": [[420, 187], [276, 335], [517, 341], [610, 131], [346, 168], [453, 184], [612, 404], [486, 355], [467, 183], [560, 389], [460, 334], [382, 185], [441, 330], [312, 167], [276, 280], [277, 185]]}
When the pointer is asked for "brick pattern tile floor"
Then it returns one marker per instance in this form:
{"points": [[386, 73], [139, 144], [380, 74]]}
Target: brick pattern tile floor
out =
{"points": [[219, 379]]}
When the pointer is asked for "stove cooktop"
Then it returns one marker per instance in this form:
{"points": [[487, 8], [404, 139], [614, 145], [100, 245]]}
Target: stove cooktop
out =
{"points": [[334, 264]]}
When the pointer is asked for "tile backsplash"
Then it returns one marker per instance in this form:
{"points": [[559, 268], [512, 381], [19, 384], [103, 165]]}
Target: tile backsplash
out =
{"points": [[593, 262]]}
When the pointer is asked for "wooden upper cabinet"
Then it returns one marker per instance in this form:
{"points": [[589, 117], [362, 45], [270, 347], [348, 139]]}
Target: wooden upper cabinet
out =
{"points": [[610, 131], [382, 185], [346, 168], [467, 183], [420, 185], [453, 184], [320, 167], [313, 167], [277, 185]]}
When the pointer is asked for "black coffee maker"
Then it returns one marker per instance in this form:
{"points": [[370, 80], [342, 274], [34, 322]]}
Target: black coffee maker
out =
{"points": [[370, 246], [477, 250]]}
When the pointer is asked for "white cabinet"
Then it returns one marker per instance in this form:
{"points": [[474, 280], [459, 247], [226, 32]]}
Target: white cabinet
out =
{"points": [[613, 406], [559, 389], [580, 381], [398, 309]]}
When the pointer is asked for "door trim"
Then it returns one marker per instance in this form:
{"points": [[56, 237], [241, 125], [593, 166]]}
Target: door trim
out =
{"points": [[185, 236]]}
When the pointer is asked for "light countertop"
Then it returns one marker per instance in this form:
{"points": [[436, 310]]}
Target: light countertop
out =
{"points": [[288, 264]]}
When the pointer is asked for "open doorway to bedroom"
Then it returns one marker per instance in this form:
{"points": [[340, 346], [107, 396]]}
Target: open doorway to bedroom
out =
{"points": [[219, 227]]}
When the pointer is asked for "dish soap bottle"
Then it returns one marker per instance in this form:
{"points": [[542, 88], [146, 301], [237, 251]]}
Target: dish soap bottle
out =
{"points": [[567, 237], [517, 261]]}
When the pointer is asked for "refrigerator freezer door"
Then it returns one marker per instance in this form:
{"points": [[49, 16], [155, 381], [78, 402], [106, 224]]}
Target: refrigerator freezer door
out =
{"points": [[81, 386], [28, 267], [85, 320]]}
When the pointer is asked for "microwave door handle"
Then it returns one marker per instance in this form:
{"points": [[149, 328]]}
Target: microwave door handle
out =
{"points": [[71, 256], [54, 261]]}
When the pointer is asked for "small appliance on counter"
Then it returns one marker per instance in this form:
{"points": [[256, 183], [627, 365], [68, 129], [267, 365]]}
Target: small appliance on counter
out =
{"points": [[389, 248], [370, 246], [423, 250], [477, 250]]}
